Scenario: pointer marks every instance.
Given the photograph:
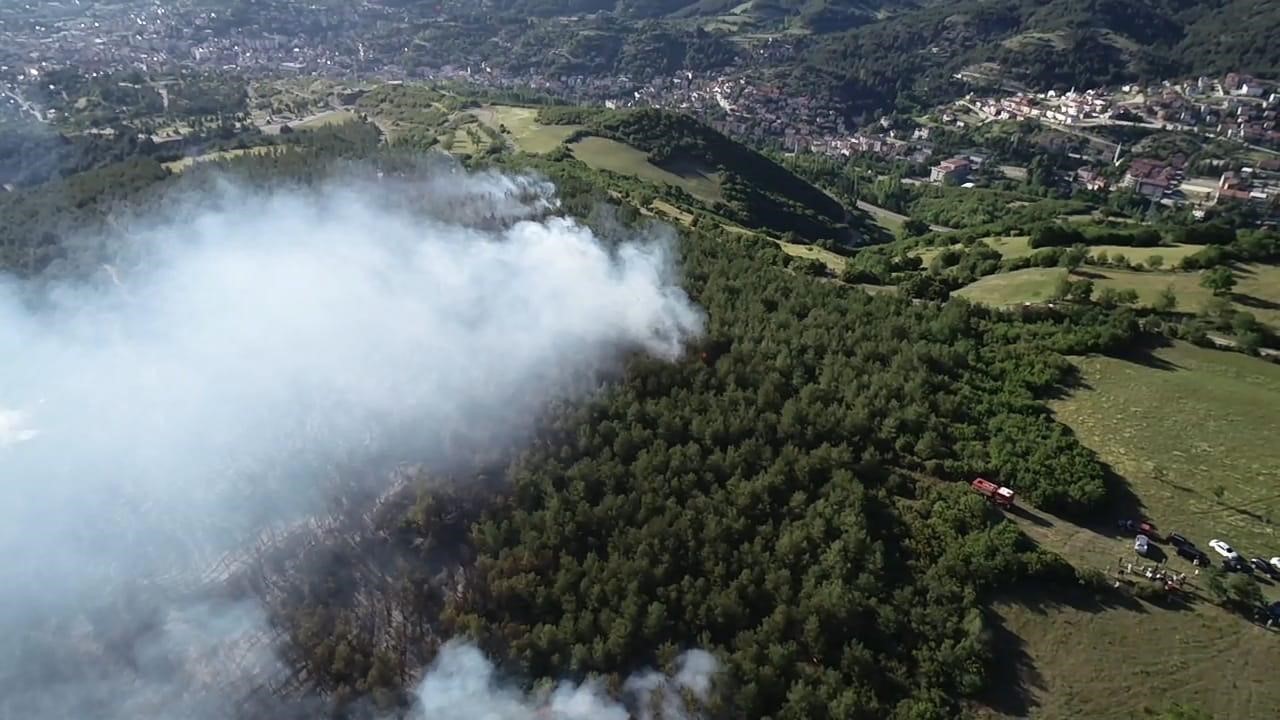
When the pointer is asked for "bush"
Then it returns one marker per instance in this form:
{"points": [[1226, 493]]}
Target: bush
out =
{"points": [[1055, 235]]}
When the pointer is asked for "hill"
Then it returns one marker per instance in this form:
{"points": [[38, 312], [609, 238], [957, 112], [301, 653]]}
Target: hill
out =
{"points": [[815, 15], [910, 56], [752, 190]]}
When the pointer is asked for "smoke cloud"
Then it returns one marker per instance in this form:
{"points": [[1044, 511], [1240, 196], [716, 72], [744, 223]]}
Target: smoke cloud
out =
{"points": [[170, 410], [462, 685]]}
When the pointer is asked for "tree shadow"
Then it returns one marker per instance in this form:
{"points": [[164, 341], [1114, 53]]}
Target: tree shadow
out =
{"points": [[1030, 516], [1122, 504], [1014, 677], [1254, 302], [1089, 274], [1144, 354]]}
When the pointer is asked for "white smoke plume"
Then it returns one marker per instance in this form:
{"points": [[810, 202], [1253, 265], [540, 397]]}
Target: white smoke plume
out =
{"points": [[152, 421], [462, 685]]}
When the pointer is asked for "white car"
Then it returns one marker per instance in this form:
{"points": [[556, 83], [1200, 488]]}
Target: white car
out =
{"points": [[1141, 544], [1224, 550], [1275, 563]]}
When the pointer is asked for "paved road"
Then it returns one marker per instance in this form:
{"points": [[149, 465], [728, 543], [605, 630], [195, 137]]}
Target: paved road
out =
{"points": [[876, 210]]}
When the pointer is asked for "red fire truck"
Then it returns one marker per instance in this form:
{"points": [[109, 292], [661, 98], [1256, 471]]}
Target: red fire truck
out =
{"points": [[997, 494]]}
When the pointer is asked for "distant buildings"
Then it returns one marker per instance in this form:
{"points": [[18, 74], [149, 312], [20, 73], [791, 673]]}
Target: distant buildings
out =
{"points": [[1249, 185], [954, 170], [1149, 178]]}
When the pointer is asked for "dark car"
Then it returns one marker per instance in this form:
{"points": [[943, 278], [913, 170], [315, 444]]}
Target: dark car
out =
{"points": [[1263, 567], [1237, 565], [1194, 554], [1178, 541]]}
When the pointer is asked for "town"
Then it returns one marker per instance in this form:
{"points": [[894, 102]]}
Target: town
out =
{"points": [[357, 43]]}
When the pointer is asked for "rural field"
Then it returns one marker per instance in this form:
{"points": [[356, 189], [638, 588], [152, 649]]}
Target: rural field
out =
{"points": [[525, 131], [178, 166], [1013, 288], [1258, 290], [1190, 432], [1020, 246], [603, 154], [332, 117], [1140, 417]]}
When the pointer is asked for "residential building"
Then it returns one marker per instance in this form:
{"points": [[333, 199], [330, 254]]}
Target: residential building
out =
{"points": [[954, 170]]}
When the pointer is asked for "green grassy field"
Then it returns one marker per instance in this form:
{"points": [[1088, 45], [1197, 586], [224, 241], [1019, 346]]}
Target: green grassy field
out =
{"points": [[523, 127], [1171, 255], [886, 219], [1067, 658], [336, 117], [1189, 431], [1020, 246], [178, 166], [1011, 247], [1258, 290], [1195, 437], [833, 261], [1013, 288], [603, 154]]}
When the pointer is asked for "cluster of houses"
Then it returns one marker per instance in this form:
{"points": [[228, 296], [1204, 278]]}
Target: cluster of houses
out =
{"points": [[1163, 179], [1069, 108], [1236, 106]]}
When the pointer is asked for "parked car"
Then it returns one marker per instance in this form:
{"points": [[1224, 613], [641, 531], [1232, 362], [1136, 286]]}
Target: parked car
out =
{"points": [[1141, 527], [1263, 567], [1194, 554], [1275, 563], [1224, 549], [1141, 544], [1237, 564], [1178, 541]]}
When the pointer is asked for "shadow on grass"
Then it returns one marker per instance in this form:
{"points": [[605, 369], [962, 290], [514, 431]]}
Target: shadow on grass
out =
{"points": [[1030, 516], [1045, 597], [1144, 354], [1122, 504], [1014, 678], [1089, 274], [1255, 302]]}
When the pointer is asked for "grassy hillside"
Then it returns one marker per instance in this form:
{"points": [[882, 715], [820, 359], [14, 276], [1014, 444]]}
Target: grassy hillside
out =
{"points": [[605, 154], [521, 125], [1013, 288], [1192, 430], [752, 189], [1189, 432], [1257, 291]]}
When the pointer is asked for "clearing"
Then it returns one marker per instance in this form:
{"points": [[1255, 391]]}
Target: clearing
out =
{"points": [[1189, 431], [1257, 291], [330, 117], [1192, 430], [523, 128], [1020, 246], [177, 166], [604, 154], [1013, 288]]}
